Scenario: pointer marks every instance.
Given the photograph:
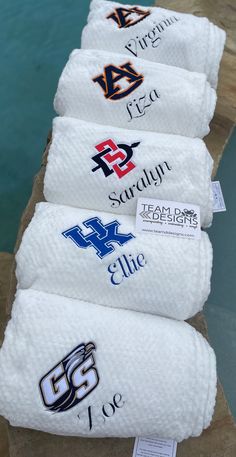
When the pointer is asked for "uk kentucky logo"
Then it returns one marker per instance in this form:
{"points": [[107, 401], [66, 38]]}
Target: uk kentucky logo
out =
{"points": [[114, 158], [71, 380], [113, 75], [126, 17], [102, 237]]}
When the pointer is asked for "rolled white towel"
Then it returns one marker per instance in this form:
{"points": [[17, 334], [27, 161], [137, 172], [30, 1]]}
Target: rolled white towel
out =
{"points": [[156, 34], [101, 167], [128, 92], [72, 369], [98, 257]]}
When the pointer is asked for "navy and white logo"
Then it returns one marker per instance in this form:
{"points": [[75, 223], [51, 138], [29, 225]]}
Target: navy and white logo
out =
{"points": [[71, 380], [102, 237]]}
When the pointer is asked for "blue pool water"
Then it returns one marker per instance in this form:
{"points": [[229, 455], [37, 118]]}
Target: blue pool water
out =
{"points": [[36, 39]]}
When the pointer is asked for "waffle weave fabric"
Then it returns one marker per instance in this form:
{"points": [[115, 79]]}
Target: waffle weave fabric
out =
{"points": [[98, 257], [106, 168], [144, 374], [128, 92]]}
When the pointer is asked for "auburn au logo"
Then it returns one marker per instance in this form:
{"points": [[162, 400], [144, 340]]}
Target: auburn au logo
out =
{"points": [[126, 17], [114, 158], [71, 380], [112, 75]]}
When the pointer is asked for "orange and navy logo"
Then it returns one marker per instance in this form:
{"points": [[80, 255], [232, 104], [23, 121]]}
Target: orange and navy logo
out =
{"points": [[112, 75], [126, 17]]}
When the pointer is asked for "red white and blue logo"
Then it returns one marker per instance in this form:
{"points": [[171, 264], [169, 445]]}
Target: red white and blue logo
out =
{"points": [[114, 158]]}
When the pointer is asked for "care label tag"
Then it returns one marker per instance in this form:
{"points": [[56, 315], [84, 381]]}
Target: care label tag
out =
{"points": [[154, 447], [218, 203], [168, 218]]}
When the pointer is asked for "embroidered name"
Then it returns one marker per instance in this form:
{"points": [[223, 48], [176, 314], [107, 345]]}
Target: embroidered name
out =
{"points": [[149, 178], [71, 380], [94, 414], [111, 78], [124, 267], [152, 38], [127, 17], [138, 106], [102, 237], [114, 158]]}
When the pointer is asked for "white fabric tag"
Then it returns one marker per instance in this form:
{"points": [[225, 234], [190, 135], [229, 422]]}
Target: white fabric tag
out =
{"points": [[219, 203], [154, 447], [168, 218]]}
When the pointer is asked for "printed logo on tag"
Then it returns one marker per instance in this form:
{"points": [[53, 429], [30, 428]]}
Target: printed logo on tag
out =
{"points": [[127, 17], [154, 447], [71, 380], [114, 158], [168, 218], [110, 81], [218, 199]]}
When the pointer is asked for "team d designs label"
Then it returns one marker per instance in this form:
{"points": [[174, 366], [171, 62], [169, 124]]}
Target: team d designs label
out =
{"points": [[71, 380], [168, 218]]}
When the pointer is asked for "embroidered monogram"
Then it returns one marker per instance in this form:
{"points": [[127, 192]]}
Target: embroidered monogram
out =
{"points": [[114, 158], [69, 382], [152, 177], [102, 237], [152, 37], [112, 75], [139, 106], [126, 17]]}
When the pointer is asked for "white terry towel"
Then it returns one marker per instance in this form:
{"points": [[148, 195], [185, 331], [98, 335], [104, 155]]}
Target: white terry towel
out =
{"points": [[156, 34], [101, 167], [99, 258], [146, 375], [128, 92]]}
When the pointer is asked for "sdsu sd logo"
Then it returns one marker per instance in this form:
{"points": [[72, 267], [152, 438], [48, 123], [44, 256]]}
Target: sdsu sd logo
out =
{"points": [[114, 158], [112, 75], [126, 17], [69, 382]]}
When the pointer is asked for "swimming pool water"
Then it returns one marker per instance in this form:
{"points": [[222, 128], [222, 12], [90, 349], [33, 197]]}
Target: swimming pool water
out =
{"points": [[36, 38]]}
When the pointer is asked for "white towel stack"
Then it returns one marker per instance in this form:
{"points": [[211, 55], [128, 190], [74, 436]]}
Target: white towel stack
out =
{"points": [[82, 365]]}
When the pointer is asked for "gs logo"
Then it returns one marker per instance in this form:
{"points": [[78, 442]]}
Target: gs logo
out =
{"points": [[69, 382], [108, 80]]}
